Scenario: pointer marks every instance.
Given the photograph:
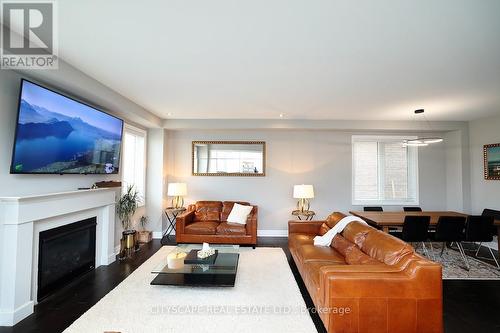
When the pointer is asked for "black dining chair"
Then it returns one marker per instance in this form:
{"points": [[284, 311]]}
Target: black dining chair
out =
{"points": [[415, 230], [492, 212], [451, 229], [478, 229], [496, 216], [373, 209], [412, 209]]}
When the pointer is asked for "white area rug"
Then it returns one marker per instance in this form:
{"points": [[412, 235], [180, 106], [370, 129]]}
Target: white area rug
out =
{"points": [[265, 298]]}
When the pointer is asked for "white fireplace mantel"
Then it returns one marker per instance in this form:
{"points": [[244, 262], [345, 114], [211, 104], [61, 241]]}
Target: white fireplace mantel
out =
{"points": [[23, 218]]}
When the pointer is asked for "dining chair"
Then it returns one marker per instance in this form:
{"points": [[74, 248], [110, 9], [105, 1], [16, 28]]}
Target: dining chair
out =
{"points": [[415, 230], [492, 212], [412, 209], [373, 209], [478, 229], [451, 229], [496, 216]]}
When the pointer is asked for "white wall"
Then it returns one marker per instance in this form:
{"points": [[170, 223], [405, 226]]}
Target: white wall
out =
{"points": [[155, 182], [485, 193], [321, 158], [457, 188]]}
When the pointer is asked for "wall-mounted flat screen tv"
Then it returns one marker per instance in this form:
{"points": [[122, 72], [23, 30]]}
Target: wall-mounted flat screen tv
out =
{"points": [[59, 135]]}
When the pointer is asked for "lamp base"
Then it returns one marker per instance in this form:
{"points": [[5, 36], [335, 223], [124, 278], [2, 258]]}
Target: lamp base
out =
{"points": [[178, 202], [303, 205]]}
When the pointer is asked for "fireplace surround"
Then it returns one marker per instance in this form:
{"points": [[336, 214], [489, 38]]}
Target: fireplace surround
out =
{"points": [[22, 221]]}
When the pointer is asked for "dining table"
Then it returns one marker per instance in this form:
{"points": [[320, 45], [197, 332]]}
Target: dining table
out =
{"points": [[386, 220]]}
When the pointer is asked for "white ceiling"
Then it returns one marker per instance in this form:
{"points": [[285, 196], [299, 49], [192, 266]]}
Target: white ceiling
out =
{"points": [[309, 59]]}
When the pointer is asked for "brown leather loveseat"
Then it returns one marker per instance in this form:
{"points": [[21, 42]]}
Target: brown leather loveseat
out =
{"points": [[206, 221], [367, 280]]}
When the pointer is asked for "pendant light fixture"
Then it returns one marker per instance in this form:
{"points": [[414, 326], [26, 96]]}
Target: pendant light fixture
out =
{"points": [[422, 141]]}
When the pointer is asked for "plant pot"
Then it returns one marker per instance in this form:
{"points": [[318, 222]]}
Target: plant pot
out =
{"points": [[144, 236], [130, 238], [123, 251]]}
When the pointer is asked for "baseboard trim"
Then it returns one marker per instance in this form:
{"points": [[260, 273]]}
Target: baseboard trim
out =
{"points": [[158, 234], [112, 257], [272, 233], [10, 318]]}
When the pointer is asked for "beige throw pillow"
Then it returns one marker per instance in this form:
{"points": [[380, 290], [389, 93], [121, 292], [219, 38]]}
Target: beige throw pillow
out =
{"points": [[239, 214]]}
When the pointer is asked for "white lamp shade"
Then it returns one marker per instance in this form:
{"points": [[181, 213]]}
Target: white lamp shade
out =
{"points": [[303, 191], [177, 189]]}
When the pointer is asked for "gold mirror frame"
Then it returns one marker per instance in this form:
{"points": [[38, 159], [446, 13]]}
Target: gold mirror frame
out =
{"points": [[233, 174], [487, 174]]}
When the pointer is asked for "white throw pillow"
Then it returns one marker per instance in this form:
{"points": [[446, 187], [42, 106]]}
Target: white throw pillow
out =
{"points": [[239, 214]]}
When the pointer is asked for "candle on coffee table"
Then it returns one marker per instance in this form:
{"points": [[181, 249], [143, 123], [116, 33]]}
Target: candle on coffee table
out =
{"points": [[175, 260]]}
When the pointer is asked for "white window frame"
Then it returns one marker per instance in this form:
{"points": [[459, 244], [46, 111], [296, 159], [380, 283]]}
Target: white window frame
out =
{"points": [[412, 167], [139, 132]]}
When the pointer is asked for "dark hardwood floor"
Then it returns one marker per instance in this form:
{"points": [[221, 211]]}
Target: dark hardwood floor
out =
{"points": [[58, 311], [469, 306]]}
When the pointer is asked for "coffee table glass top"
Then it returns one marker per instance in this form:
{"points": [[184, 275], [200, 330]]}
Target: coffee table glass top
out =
{"points": [[225, 263]]}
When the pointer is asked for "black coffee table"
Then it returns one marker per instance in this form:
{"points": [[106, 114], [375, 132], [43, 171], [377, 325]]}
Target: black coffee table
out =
{"points": [[221, 274]]}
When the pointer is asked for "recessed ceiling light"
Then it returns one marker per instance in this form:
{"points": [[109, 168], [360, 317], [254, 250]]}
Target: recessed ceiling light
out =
{"points": [[282, 115], [169, 114]]}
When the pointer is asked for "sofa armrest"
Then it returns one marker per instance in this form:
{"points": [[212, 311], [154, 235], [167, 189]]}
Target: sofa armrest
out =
{"points": [[304, 227], [418, 279], [382, 268], [419, 273], [410, 299], [183, 220], [251, 226]]}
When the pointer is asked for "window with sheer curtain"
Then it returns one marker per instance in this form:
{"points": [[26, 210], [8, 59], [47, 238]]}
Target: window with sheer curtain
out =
{"points": [[134, 160], [384, 172]]}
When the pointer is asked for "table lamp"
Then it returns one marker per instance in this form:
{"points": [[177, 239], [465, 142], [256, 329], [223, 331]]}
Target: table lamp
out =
{"points": [[303, 193], [177, 191]]}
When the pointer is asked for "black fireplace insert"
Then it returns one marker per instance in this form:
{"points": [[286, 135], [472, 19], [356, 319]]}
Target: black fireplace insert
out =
{"points": [[65, 253]]}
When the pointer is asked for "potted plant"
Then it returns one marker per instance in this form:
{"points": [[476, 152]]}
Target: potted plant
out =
{"points": [[144, 236], [125, 208]]}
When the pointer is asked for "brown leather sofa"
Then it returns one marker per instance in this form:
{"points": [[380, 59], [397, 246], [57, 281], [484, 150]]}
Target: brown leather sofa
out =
{"points": [[206, 221], [367, 280]]}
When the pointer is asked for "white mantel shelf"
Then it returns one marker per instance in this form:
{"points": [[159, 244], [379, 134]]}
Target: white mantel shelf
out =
{"points": [[22, 218], [26, 209], [53, 195]]}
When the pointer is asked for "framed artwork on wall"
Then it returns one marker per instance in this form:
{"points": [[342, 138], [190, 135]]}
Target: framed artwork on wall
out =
{"points": [[492, 161]]}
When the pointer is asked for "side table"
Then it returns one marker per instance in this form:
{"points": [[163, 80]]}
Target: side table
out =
{"points": [[171, 214], [306, 215]]}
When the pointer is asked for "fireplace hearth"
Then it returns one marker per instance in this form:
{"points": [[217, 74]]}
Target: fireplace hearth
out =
{"points": [[65, 253]]}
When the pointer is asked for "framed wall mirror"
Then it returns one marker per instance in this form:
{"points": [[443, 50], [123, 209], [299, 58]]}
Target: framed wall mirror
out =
{"points": [[229, 158]]}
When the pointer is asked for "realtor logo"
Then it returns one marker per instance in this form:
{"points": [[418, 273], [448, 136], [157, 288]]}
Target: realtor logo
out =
{"points": [[28, 35]]}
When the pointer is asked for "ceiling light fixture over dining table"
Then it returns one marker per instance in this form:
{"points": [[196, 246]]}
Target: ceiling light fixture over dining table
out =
{"points": [[424, 140]]}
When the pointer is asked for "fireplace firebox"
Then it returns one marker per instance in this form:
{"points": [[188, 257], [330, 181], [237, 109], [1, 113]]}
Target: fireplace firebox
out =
{"points": [[65, 253]]}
